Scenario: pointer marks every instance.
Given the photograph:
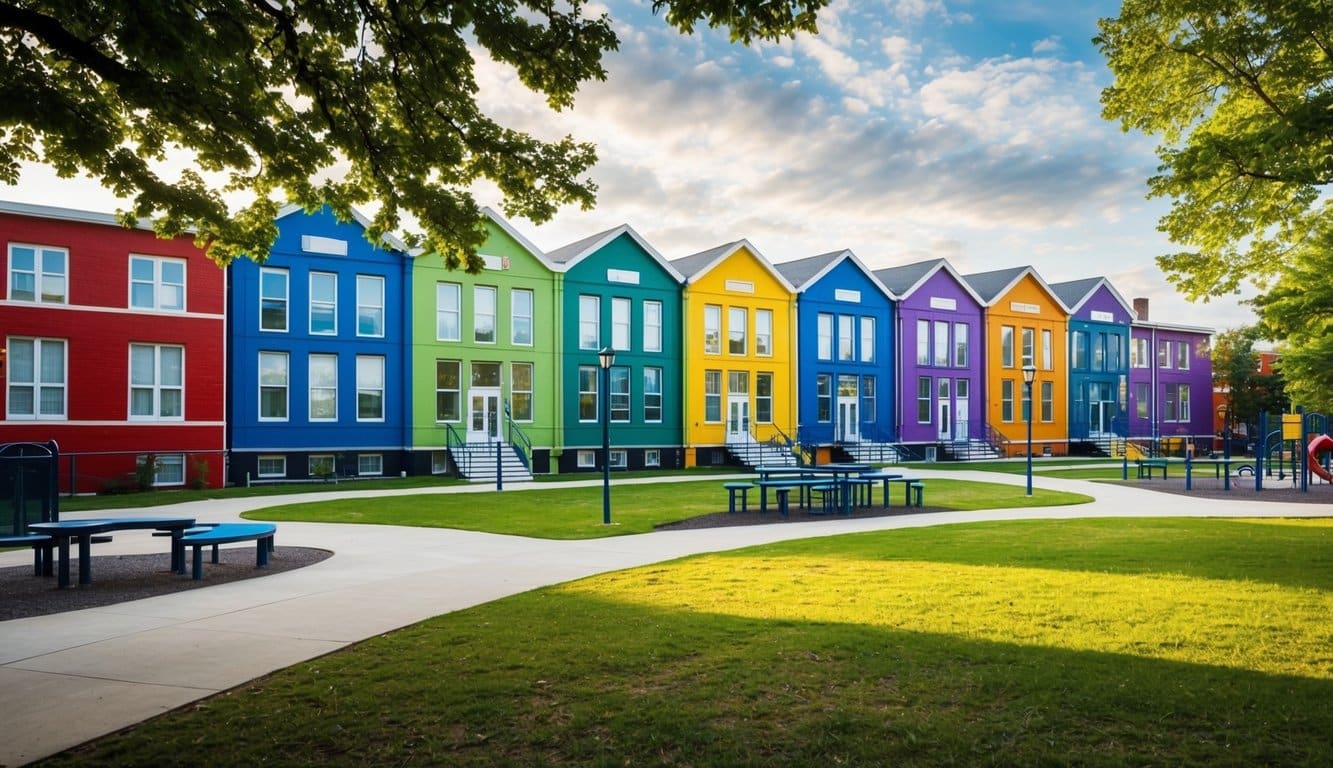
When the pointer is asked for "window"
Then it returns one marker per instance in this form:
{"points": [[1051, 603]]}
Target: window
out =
{"points": [[620, 324], [1138, 353], [923, 342], [1183, 355], [712, 329], [369, 388], [763, 332], [168, 469], [941, 346], [370, 464], [1047, 359], [1177, 405], [272, 386], [36, 378], [520, 317], [439, 462], [1142, 398], [652, 326], [448, 390], [823, 397], [157, 283], [867, 339], [1163, 354], [738, 321], [846, 338], [485, 375], [587, 393], [763, 398], [590, 309], [323, 387], [323, 303], [652, 395], [157, 382], [587, 459], [1006, 400], [272, 466], [483, 314], [652, 457], [960, 345], [1098, 351], [1048, 401], [447, 312], [320, 465], [1007, 346], [713, 397], [619, 393], [38, 273], [1114, 358], [272, 299], [520, 391], [824, 330], [923, 399], [1029, 348], [619, 458], [1026, 402], [370, 305], [1080, 350], [738, 382], [868, 399]]}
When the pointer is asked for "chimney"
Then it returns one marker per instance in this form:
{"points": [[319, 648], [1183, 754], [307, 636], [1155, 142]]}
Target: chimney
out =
{"points": [[1141, 310]]}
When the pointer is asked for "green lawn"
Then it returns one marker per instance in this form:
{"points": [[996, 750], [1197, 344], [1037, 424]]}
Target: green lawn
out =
{"points": [[1080, 642], [576, 513]]}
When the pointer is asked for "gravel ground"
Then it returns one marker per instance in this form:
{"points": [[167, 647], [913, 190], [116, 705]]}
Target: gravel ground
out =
{"points": [[120, 578]]}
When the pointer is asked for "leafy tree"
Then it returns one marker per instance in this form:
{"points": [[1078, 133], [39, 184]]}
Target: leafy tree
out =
{"points": [[1299, 309], [1236, 368], [338, 102]]}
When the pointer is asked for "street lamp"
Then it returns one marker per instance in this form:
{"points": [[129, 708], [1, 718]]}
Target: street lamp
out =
{"points": [[606, 358], [1029, 373]]}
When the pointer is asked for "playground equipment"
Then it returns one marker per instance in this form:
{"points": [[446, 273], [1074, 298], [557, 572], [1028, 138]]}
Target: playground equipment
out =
{"points": [[1319, 446], [1303, 439]]}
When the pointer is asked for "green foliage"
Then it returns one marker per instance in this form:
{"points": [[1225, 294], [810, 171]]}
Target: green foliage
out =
{"points": [[145, 472], [1299, 309], [314, 102], [1236, 368]]}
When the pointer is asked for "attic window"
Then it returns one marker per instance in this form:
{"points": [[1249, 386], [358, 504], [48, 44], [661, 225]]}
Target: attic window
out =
{"points": [[325, 245]]}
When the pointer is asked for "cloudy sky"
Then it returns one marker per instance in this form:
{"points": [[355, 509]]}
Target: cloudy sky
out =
{"points": [[906, 130]]}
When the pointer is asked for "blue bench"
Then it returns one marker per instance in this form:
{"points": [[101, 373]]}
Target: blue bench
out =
{"points": [[732, 488], [1148, 465], [41, 547], [228, 533], [883, 477]]}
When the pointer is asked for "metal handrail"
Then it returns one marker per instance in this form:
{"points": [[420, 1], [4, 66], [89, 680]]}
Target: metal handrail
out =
{"points": [[455, 445], [524, 443], [804, 456], [996, 439]]}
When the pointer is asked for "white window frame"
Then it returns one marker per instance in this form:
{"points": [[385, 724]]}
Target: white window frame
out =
{"points": [[518, 321], [652, 394], [439, 462], [652, 326], [514, 392], [738, 340], [164, 463], [586, 459], [369, 464], [619, 458], [867, 351], [1007, 400], [1047, 402], [158, 284], [713, 394], [1006, 346], [483, 295], [1183, 351], [846, 338], [824, 398], [373, 309], [961, 345], [763, 403], [824, 336], [37, 384], [40, 273], [923, 342], [285, 386], [1047, 350], [925, 398], [763, 332], [315, 460], [457, 390], [155, 386], [620, 324], [590, 386], [367, 386], [285, 300], [1029, 347], [328, 306], [281, 462], [590, 322], [619, 394], [940, 344], [1139, 354], [448, 305], [310, 385], [712, 329], [652, 457]]}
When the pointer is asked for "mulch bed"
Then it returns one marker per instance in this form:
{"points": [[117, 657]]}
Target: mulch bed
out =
{"points": [[1204, 485], [120, 578]]}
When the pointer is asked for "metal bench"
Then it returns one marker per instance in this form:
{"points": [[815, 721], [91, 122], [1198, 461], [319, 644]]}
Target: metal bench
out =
{"points": [[228, 533], [1148, 465], [732, 488], [916, 492], [41, 547]]}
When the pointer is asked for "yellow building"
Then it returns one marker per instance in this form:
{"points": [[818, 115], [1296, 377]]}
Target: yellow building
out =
{"points": [[1026, 325], [739, 361]]}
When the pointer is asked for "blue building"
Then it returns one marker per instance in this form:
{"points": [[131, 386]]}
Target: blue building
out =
{"points": [[1099, 352], [845, 343], [317, 362]]}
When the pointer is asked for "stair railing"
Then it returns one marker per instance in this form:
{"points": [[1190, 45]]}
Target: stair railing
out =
{"points": [[996, 439], [519, 439], [457, 448]]}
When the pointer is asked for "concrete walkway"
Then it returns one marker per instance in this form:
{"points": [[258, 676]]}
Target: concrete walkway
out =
{"points": [[71, 677]]}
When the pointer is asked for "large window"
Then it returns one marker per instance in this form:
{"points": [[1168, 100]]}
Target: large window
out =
{"points": [[448, 390], [157, 283], [868, 399], [960, 345], [168, 468], [1138, 353], [620, 324], [1006, 400], [1114, 353], [157, 382], [483, 314], [712, 329], [763, 332], [323, 387], [763, 398], [1007, 346], [1029, 348], [520, 317], [824, 330], [323, 303], [588, 393], [867, 339], [1026, 400], [38, 273], [823, 397], [447, 312], [923, 399], [1183, 355], [738, 322], [273, 466], [652, 395], [619, 393], [941, 346], [923, 342], [1080, 350], [1047, 401], [320, 465], [1177, 403], [713, 397], [272, 299], [1047, 360], [369, 305], [1098, 351], [273, 380], [590, 322], [369, 388], [846, 338], [370, 464], [1163, 354], [1142, 399], [652, 326], [37, 378], [520, 391]]}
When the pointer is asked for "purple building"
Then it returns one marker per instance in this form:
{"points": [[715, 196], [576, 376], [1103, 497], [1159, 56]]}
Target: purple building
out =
{"points": [[1170, 382], [939, 361]]}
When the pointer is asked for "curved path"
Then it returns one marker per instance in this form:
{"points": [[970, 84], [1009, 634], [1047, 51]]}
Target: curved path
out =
{"points": [[70, 677]]}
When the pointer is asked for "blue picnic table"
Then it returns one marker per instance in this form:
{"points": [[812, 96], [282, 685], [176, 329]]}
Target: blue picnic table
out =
{"points": [[84, 530], [839, 473]]}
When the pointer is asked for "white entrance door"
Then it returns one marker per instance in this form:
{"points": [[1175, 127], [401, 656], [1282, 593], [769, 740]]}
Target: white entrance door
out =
{"points": [[944, 412], [961, 393], [483, 415], [1100, 408], [738, 418], [848, 399]]}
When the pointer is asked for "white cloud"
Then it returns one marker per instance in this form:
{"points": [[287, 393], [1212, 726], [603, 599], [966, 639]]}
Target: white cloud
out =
{"points": [[1051, 44]]}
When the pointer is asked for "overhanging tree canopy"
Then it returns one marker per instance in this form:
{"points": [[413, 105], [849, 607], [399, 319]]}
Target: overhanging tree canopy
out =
{"points": [[338, 102]]}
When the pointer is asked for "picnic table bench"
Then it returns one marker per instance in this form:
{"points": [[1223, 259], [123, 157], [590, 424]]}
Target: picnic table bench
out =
{"points": [[228, 533], [87, 532], [39, 542], [732, 489], [1146, 466], [882, 476], [914, 490]]}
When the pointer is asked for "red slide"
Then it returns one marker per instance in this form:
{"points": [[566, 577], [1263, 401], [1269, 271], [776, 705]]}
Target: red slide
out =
{"points": [[1319, 446]]}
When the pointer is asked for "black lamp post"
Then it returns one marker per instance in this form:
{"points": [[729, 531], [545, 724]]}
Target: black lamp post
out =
{"points": [[606, 358], [1029, 374]]}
